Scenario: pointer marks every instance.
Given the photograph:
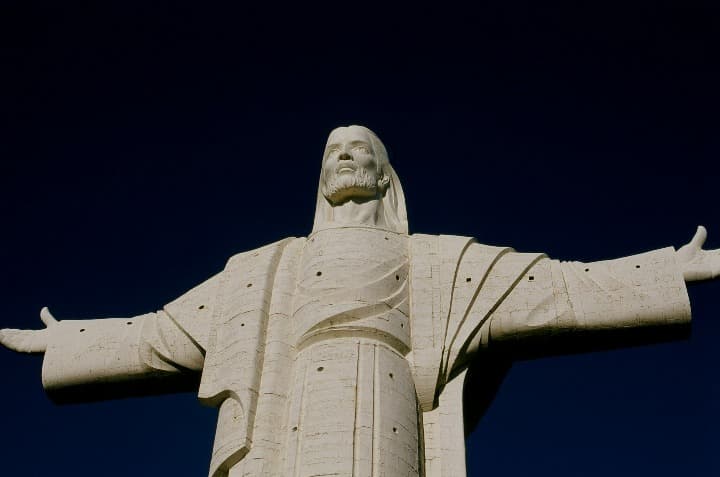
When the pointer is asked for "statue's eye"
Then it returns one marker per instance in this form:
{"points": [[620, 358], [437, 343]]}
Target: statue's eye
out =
{"points": [[362, 149], [333, 150]]}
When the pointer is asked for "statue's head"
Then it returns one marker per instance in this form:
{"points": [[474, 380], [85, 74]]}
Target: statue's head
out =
{"points": [[353, 166], [356, 169]]}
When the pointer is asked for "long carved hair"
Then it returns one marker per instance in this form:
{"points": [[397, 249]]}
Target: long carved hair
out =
{"points": [[392, 199]]}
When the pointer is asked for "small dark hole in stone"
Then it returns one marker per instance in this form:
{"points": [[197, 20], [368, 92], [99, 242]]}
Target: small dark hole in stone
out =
{"points": [[242, 324], [397, 277], [391, 375], [82, 329], [318, 273], [587, 269], [531, 278], [320, 368], [249, 285], [637, 266], [468, 279], [201, 307], [387, 238], [129, 323], [402, 325], [395, 430], [294, 429]]}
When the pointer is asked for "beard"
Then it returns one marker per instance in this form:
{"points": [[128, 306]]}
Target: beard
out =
{"points": [[343, 187]]}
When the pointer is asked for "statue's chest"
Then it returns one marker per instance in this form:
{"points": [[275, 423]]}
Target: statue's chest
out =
{"points": [[353, 280]]}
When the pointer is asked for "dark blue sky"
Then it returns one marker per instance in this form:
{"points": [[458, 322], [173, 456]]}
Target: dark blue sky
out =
{"points": [[144, 144]]}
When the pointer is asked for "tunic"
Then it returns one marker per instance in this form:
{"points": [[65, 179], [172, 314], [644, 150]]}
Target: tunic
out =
{"points": [[344, 353], [352, 404]]}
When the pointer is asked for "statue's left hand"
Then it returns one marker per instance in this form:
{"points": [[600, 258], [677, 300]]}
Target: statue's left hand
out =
{"points": [[696, 263], [29, 341]]}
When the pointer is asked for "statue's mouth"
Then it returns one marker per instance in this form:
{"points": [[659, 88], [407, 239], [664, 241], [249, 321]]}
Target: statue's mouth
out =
{"points": [[345, 169]]}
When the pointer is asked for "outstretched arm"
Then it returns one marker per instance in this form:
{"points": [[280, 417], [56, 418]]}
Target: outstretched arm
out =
{"points": [[118, 357], [575, 307], [554, 307]]}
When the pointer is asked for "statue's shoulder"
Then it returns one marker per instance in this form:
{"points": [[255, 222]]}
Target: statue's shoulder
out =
{"points": [[452, 244], [193, 310], [265, 251]]}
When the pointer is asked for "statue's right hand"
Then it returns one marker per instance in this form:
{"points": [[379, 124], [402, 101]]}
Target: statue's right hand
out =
{"points": [[29, 341]]}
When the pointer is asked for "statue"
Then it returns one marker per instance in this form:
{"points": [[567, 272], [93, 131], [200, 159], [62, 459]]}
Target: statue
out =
{"points": [[345, 353]]}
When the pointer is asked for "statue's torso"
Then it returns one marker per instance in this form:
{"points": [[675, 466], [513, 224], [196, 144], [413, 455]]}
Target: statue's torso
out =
{"points": [[353, 282], [352, 408]]}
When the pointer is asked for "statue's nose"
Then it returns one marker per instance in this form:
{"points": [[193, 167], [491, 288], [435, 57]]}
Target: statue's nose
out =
{"points": [[345, 157]]}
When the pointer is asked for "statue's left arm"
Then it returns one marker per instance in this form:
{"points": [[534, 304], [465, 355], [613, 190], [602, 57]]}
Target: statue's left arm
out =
{"points": [[555, 307], [156, 352]]}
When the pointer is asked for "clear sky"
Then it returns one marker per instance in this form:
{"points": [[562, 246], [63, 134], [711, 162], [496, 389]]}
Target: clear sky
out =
{"points": [[144, 143]]}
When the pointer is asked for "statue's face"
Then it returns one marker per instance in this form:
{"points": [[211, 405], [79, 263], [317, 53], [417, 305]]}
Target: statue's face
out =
{"points": [[350, 168]]}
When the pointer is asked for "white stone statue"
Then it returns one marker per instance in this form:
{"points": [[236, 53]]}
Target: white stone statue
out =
{"points": [[345, 353]]}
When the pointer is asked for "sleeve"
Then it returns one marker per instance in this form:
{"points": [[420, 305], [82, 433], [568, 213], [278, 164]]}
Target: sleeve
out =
{"points": [[154, 353], [564, 307]]}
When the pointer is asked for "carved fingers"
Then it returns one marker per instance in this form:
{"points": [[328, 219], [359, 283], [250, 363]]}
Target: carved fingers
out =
{"points": [[24, 341], [47, 317], [696, 263], [687, 252], [29, 341]]}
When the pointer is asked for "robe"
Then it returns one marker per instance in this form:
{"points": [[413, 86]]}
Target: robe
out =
{"points": [[236, 337]]}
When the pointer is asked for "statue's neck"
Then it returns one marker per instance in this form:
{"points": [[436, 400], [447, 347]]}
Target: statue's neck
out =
{"points": [[358, 213]]}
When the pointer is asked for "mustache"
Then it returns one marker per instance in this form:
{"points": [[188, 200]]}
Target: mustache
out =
{"points": [[336, 185], [350, 166]]}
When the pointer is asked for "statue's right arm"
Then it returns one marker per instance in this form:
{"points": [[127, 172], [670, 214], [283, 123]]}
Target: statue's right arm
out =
{"points": [[567, 307], [118, 357]]}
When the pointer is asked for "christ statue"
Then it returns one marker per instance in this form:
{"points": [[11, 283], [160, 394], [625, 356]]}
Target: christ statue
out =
{"points": [[345, 353]]}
